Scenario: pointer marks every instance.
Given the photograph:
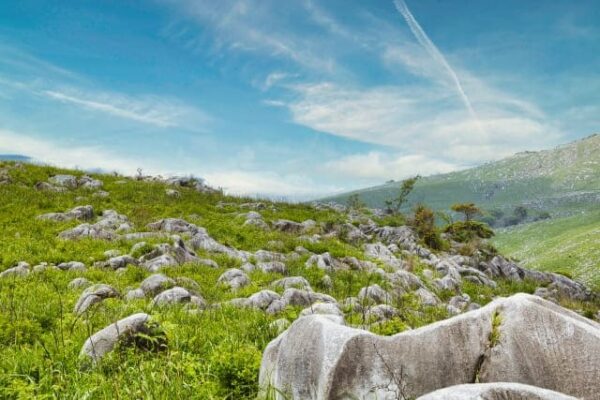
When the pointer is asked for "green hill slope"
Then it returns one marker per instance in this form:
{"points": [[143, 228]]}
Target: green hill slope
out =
{"points": [[78, 254], [560, 180], [570, 245]]}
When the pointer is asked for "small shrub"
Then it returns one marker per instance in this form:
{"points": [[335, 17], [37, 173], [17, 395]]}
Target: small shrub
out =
{"points": [[236, 367]]}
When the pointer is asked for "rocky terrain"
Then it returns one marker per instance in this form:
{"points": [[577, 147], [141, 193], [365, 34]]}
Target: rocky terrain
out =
{"points": [[116, 287]]}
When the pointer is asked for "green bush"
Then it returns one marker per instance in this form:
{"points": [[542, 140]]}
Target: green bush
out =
{"points": [[464, 231], [236, 367]]}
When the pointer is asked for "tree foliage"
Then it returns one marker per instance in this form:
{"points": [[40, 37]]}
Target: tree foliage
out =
{"points": [[469, 210], [394, 205], [423, 222]]}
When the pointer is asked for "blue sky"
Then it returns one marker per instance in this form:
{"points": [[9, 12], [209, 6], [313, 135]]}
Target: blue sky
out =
{"points": [[295, 98]]}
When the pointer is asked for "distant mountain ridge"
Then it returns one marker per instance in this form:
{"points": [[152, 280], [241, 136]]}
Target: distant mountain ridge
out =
{"points": [[560, 181], [15, 157]]}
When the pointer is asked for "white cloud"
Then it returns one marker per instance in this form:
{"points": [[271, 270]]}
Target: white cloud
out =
{"points": [[239, 182], [53, 153], [250, 26], [380, 166], [419, 120], [267, 184], [151, 110]]}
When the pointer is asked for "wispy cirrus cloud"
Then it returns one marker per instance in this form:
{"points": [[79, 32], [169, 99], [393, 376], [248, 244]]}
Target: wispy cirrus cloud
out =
{"points": [[246, 26], [25, 73]]}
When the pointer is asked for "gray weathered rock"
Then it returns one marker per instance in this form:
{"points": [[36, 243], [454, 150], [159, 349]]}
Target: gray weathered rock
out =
{"points": [[134, 294], [261, 300], [272, 266], [72, 266], [535, 342], [88, 182], [165, 260], [303, 298], [93, 295], [21, 269], [287, 226], [298, 282], [68, 181], [266, 256], [173, 225], [234, 278], [155, 284], [447, 283], [97, 345], [172, 296], [380, 252], [426, 297], [82, 213], [495, 391], [374, 293], [79, 283], [120, 262]]}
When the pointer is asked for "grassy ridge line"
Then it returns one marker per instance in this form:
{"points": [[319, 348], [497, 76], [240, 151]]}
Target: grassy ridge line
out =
{"points": [[570, 245], [559, 180]]}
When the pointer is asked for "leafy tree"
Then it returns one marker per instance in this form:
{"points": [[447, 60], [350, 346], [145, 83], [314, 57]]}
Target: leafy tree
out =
{"points": [[468, 229], [423, 222], [469, 210], [464, 231], [394, 205]]}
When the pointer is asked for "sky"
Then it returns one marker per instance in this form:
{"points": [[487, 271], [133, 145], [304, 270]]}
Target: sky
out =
{"points": [[295, 98]]}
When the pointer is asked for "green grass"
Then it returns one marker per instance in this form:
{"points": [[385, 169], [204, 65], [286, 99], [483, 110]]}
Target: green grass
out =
{"points": [[214, 354], [568, 245]]}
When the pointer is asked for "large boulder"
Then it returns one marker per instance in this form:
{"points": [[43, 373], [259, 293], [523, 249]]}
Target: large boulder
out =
{"points": [[100, 343], [495, 391], [522, 338]]}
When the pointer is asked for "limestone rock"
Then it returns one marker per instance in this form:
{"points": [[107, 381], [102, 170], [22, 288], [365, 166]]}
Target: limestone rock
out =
{"points": [[234, 278], [67, 181], [82, 213], [298, 282], [79, 283], [93, 295], [535, 342], [21, 269], [172, 296], [96, 346], [155, 284], [272, 266]]}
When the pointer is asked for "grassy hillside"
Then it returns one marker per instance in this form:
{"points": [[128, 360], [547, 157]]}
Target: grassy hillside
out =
{"points": [[570, 245], [558, 180], [210, 353]]}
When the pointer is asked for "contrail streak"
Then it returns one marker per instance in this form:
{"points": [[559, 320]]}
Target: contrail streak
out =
{"points": [[433, 51]]}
